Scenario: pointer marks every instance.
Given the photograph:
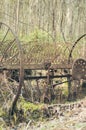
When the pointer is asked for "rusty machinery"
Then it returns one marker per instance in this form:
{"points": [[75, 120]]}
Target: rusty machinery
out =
{"points": [[12, 59]]}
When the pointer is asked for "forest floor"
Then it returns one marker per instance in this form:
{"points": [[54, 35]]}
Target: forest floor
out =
{"points": [[73, 118]]}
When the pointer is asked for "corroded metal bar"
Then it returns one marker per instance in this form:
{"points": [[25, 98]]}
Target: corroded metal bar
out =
{"points": [[44, 77], [37, 66]]}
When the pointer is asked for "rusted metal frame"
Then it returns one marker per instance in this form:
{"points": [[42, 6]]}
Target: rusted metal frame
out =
{"points": [[21, 78], [45, 77], [69, 87], [5, 51], [10, 45], [70, 55], [63, 82], [21, 67], [5, 35], [38, 90], [79, 69], [11, 58], [38, 66], [69, 60]]}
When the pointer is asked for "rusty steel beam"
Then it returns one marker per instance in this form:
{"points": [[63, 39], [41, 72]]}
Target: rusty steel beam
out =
{"points": [[44, 77], [37, 67]]}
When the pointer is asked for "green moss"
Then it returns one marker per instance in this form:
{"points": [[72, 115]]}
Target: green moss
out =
{"points": [[29, 106], [33, 109]]}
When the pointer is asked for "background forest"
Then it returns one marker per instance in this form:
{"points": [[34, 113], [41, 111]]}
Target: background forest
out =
{"points": [[60, 18]]}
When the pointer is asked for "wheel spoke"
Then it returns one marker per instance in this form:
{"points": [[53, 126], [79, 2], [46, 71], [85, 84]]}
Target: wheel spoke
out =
{"points": [[8, 48], [5, 36]]}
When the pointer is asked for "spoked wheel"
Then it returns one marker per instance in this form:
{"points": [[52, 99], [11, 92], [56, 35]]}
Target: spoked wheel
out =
{"points": [[78, 56], [11, 57]]}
